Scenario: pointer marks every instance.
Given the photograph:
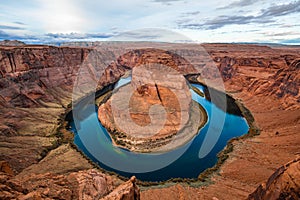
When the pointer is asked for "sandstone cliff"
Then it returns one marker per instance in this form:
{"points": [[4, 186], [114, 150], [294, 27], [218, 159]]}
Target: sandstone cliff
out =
{"points": [[283, 184], [36, 85]]}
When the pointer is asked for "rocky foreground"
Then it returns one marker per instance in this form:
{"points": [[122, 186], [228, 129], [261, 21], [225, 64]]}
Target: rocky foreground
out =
{"points": [[38, 160]]}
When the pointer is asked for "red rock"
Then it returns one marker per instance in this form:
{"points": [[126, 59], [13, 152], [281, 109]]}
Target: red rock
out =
{"points": [[283, 184], [127, 115], [143, 92], [126, 191], [36, 84]]}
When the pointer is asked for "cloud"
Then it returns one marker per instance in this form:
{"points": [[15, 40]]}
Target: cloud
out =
{"points": [[8, 36], [167, 2], [11, 27], [241, 3], [58, 38], [276, 34], [54, 37], [193, 13], [136, 36], [226, 20], [3, 35], [266, 16], [99, 35], [283, 9], [147, 34], [200, 20], [151, 34], [20, 23], [240, 31], [78, 35], [289, 25]]}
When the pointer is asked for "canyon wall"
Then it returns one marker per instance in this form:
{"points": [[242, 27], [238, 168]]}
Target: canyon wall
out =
{"points": [[36, 86]]}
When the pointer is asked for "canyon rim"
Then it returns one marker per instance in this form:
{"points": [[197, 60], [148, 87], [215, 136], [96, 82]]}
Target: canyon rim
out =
{"points": [[40, 161]]}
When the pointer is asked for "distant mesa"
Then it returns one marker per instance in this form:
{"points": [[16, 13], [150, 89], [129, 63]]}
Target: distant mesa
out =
{"points": [[11, 43]]}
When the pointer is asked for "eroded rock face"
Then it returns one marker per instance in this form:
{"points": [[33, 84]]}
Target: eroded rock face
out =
{"points": [[283, 184], [145, 114], [87, 184], [155, 56], [137, 57], [266, 71], [160, 86], [287, 83], [152, 85], [126, 191], [36, 86]]}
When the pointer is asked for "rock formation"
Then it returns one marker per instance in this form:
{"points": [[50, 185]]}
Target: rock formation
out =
{"points": [[283, 184], [267, 71], [137, 57], [126, 191], [36, 85], [127, 114], [87, 184], [12, 43]]}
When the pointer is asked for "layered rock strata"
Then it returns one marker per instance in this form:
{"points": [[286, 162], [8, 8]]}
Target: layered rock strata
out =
{"points": [[36, 85], [151, 112], [283, 184]]}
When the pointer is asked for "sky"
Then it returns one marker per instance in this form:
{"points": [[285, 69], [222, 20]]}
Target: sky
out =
{"points": [[203, 21]]}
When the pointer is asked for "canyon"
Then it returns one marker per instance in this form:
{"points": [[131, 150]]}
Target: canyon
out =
{"points": [[39, 160]]}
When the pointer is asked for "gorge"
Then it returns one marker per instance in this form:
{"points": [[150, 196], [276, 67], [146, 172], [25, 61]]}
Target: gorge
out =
{"points": [[39, 160]]}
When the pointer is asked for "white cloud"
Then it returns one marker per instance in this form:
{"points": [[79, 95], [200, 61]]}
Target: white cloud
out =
{"points": [[151, 34], [61, 16], [83, 18]]}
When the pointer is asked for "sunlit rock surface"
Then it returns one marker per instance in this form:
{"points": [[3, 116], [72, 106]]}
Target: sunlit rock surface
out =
{"points": [[155, 109], [36, 84]]}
